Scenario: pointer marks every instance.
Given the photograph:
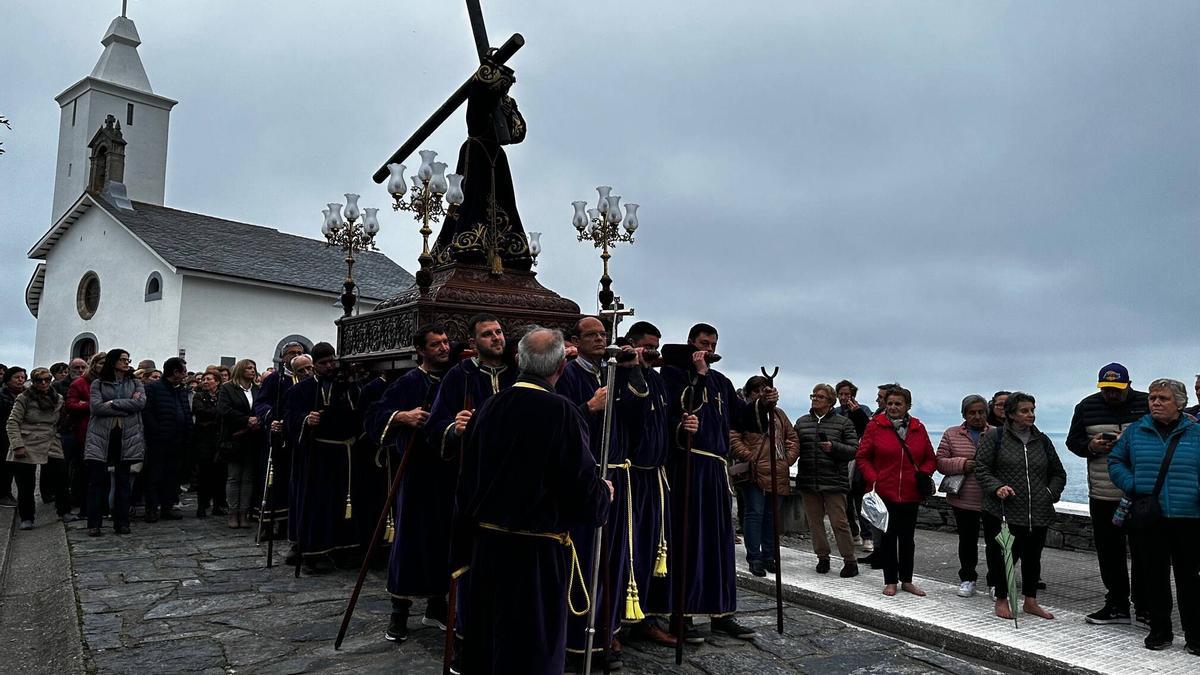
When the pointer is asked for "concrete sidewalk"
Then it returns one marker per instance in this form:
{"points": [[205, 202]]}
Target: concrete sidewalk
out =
{"points": [[966, 625]]}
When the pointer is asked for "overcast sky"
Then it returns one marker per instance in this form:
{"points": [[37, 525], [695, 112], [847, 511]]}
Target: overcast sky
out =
{"points": [[962, 196]]}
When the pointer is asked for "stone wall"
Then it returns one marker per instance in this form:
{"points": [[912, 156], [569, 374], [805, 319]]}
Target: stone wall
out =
{"points": [[1072, 530]]}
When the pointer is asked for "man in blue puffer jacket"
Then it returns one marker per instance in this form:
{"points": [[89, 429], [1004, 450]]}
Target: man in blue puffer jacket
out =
{"points": [[1134, 466]]}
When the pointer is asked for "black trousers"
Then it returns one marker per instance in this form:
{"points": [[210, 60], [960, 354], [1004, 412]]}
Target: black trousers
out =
{"points": [[898, 548], [6, 479], [1027, 551], [210, 483], [98, 484], [1112, 550], [26, 477], [1172, 543], [76, 471], [56, 485], [968, 545], [160, 482]]}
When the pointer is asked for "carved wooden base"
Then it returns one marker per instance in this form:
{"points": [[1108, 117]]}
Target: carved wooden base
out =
{"points": [[382, 337]]}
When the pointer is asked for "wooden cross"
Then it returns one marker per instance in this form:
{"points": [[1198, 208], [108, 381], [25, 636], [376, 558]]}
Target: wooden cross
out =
{"points": [[499, 57]]}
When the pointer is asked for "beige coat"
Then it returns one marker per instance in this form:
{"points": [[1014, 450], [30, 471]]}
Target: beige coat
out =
{"points": [[34, 429]]}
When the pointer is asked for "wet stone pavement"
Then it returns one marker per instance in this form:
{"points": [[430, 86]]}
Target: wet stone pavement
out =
{"points": [[195, 596]]}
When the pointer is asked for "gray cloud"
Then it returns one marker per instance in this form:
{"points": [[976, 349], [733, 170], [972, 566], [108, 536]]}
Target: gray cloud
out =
{"points": [[962, 196]]}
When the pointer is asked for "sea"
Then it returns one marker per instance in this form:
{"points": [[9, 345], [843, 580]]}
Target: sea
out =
{"points": [[1076, 490]]}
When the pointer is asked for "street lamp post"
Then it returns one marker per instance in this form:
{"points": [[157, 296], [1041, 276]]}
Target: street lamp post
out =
{"points": [[425, 202], [603, 227], [353, 233]]}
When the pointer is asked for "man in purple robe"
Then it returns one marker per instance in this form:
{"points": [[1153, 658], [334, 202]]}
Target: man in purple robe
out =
{"points": [[418, 566], [707, 566], [528, 479], [582, 383]]}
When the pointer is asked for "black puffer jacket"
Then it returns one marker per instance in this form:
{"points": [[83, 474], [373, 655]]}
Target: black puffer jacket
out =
{"points": [[1033, 471], [167, 418], [820, 471]]}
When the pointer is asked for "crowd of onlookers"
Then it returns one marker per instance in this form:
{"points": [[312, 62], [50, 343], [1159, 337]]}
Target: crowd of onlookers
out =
{"points": [[998, 470], [101, 438], [108, 436]]}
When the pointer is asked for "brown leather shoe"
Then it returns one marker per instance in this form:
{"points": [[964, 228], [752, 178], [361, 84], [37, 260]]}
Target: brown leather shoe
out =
{"points": [[655, 633]]}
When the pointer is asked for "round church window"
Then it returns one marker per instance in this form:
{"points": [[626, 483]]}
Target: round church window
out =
{"points": [[87, 298]]}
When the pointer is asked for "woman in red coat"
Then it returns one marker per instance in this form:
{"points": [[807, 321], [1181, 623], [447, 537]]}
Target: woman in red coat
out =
{"points": [[893, 474]]}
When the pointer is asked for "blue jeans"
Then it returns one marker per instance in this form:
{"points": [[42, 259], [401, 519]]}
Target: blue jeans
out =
{"points": [[759, 526]]}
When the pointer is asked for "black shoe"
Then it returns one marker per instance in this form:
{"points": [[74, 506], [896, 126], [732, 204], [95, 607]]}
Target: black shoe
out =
{"points": [[123, 528], [729, 626], [757, 569], [170, 514], [823, 566], [397, 630], [95, 532], [1159, 642], [1107, 615], [691, 634], [435, 614], [769, 565], [612, 660], [151, 514], [292, 557], [849, 570]]}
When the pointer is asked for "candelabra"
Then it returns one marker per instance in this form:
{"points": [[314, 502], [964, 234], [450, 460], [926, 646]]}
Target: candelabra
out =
{"points": [[425, 202], [354, 233], [602, 226]]}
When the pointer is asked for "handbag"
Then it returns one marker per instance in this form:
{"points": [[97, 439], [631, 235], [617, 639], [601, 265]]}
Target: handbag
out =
{"points": [[1144, 510], [875, 510], [952, 484], [925, 486], [739, 473]]}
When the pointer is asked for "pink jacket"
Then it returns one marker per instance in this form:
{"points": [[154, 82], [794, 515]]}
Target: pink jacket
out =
{"points": [[952, 455]]}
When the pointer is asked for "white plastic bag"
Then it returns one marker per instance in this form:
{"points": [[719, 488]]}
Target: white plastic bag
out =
{"points": [[874, 510]]}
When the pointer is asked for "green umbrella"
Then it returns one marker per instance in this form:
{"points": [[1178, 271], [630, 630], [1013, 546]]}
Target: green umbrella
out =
{"points": [[1005, 539]]}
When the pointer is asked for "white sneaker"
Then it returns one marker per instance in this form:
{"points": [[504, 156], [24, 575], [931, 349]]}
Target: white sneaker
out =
{"points": [[868, 546], [966, 589], [858, 540]]}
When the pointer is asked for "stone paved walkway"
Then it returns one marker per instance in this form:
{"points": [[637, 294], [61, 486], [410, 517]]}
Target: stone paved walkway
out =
{"points": [[1066, 644], [194, 596]]}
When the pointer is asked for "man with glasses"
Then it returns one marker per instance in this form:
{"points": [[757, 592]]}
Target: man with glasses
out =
{"points": [[271, 393], [582, 383]]}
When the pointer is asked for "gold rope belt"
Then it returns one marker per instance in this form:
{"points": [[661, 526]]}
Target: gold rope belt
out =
{"points": [[722, 460], [349, 444], [664, 486], [576, 570]]}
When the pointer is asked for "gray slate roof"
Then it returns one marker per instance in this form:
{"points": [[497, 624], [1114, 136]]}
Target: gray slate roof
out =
{"points": [[193, 241]]}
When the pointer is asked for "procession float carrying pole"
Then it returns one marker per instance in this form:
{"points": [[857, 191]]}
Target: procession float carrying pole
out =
{"points": [[775, 502]]}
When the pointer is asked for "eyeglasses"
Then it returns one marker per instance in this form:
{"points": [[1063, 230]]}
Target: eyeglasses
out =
{"points": [[124, 360], [41, 380]]}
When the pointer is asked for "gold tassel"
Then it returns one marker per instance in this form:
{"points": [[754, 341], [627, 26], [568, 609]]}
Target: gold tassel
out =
{"points": [[633, 606], [389, 533], [660, 563], [349, 508], [270, 475]]}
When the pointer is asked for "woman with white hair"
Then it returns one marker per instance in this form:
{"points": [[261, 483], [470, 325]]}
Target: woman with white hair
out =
{"points": [[956, 461], [1156, 462]]}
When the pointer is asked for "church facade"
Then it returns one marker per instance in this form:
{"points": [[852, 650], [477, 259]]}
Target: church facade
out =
{"points": [[120, 269]]}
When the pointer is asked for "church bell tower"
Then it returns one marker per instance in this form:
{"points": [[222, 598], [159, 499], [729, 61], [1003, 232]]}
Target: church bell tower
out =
{"points": [[117, 88]]}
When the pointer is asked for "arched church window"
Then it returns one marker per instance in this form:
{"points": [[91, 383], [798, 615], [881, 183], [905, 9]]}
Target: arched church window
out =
{"points": [[154, 287], [83, 346], [87, 297]]}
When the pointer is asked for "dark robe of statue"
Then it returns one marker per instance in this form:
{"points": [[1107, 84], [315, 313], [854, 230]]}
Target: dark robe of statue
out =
{"points": [[486, 228]]}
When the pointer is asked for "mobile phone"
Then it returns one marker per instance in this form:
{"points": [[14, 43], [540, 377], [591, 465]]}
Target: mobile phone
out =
{"points": [[1108, 436], [821, 436]]}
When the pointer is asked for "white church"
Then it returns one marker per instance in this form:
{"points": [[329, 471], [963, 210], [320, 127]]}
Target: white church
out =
{"points": [[120, 269]]}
